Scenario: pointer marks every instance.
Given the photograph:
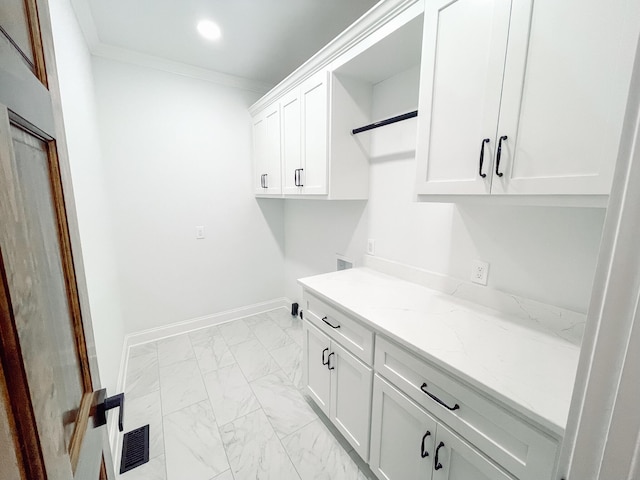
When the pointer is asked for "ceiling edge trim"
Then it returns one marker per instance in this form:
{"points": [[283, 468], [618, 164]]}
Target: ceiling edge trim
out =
{"points": [[178, 68], [376, 17]]}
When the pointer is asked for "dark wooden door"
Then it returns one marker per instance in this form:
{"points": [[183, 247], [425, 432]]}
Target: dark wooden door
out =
{"points": [[48, 374]]}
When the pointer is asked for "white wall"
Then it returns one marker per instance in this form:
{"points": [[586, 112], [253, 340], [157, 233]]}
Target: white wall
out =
{"points": [[177, 151], [543, 253], [94, 214]]}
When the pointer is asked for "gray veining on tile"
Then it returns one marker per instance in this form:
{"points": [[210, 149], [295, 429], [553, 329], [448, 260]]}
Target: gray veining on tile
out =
{"points": [[271, 335], [283, 403], [282, 317], [143, 410], [174, 349], [181, 385], [254, 451], [255, 319], [317, 455], [193, 445], [211, 351], [204, 334], [142, 375], [153, 470], [295, 332], [235, 332], [142, 349], [289, 358], [224, 476], [254, 360], [230, 394]]}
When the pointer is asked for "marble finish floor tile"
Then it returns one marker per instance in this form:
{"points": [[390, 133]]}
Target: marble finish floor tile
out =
{"points": [[282, 317], [193, 445], [271, 335], [143, 349], [235, 332], [254, 360], [225, 476], [295, 332], [174, 349], [181, 385], [230, 394], [289, 358], [254, 451], [212, 352], [143, 375], [144, 410], [154, 469], [283, 403], [317, 455], [255, 319]]}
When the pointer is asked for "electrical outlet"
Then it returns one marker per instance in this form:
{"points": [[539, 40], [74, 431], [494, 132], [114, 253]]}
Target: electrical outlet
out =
{"points": [[479, 272], [199, 232], [371, 246]]}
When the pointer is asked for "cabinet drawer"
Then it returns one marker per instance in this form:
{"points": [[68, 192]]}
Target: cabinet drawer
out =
{"points": [[349, 333], [518, 447]]}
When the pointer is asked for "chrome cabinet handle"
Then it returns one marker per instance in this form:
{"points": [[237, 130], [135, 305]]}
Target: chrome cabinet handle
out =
{"points": [[499, 155], [423, 387], [423, 452], [486, 140]]}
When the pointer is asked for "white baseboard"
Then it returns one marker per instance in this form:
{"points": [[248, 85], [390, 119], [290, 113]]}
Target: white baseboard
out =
{"points": [[171, 330]]}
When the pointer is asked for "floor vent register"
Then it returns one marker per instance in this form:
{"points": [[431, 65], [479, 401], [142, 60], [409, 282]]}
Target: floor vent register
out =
{"points": [[135, 449]]}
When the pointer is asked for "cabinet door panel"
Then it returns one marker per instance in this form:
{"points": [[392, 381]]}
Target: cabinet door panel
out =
{"points": [[463, 60], [316, 375], [567, 76], [461, 461], [291, 141], [272, 161], [351, 398], [313, 94], [400, 432], [259, 153]]}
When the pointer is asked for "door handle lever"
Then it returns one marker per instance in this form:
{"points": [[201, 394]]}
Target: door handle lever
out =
{"points": [[104, 403]]}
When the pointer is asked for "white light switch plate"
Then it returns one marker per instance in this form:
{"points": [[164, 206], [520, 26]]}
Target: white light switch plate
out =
{"points": [[200, 232]]}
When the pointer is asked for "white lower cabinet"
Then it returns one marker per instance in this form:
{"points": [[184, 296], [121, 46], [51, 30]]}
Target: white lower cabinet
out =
{"points": [[340, 384], [408, 443]]}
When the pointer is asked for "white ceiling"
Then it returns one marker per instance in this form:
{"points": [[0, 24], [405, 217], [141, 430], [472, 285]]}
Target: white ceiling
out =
{"points": [[263, 40]]}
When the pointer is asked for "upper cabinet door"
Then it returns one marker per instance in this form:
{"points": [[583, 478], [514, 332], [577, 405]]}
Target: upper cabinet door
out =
{"points": [[259, 153], [566, 81], [462, 69], [291, 142], [315, 109], [272, 120]]}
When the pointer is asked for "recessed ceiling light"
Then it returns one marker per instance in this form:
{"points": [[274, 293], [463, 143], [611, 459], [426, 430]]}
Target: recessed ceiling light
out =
{"points": [[209, 30]]}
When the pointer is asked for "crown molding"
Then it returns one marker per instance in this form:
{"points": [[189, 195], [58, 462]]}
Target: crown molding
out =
{"points": [[376, 17], [120, 54]]}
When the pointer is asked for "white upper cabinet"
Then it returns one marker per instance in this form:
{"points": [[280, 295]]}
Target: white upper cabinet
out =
{"points": [[544, 80], [291, 142], [315, 107], [462, 63], [266, 152]]}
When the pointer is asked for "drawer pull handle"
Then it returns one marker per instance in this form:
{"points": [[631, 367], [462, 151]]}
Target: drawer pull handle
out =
{"points": [[424, 389], [486, 140], [329, 361], [499, 155], [324, 319], [437, 462], [325, 362], [423, 452]]}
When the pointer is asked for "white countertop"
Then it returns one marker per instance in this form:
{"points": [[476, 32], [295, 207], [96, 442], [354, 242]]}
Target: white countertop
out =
{"points": [[527, 369]]}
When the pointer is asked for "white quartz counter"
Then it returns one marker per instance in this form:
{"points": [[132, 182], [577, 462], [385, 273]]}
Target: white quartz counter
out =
{"points": [[527, 369]]}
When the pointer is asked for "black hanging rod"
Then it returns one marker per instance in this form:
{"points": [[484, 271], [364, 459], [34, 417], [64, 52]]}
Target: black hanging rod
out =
{"points": [[382, 123]]}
